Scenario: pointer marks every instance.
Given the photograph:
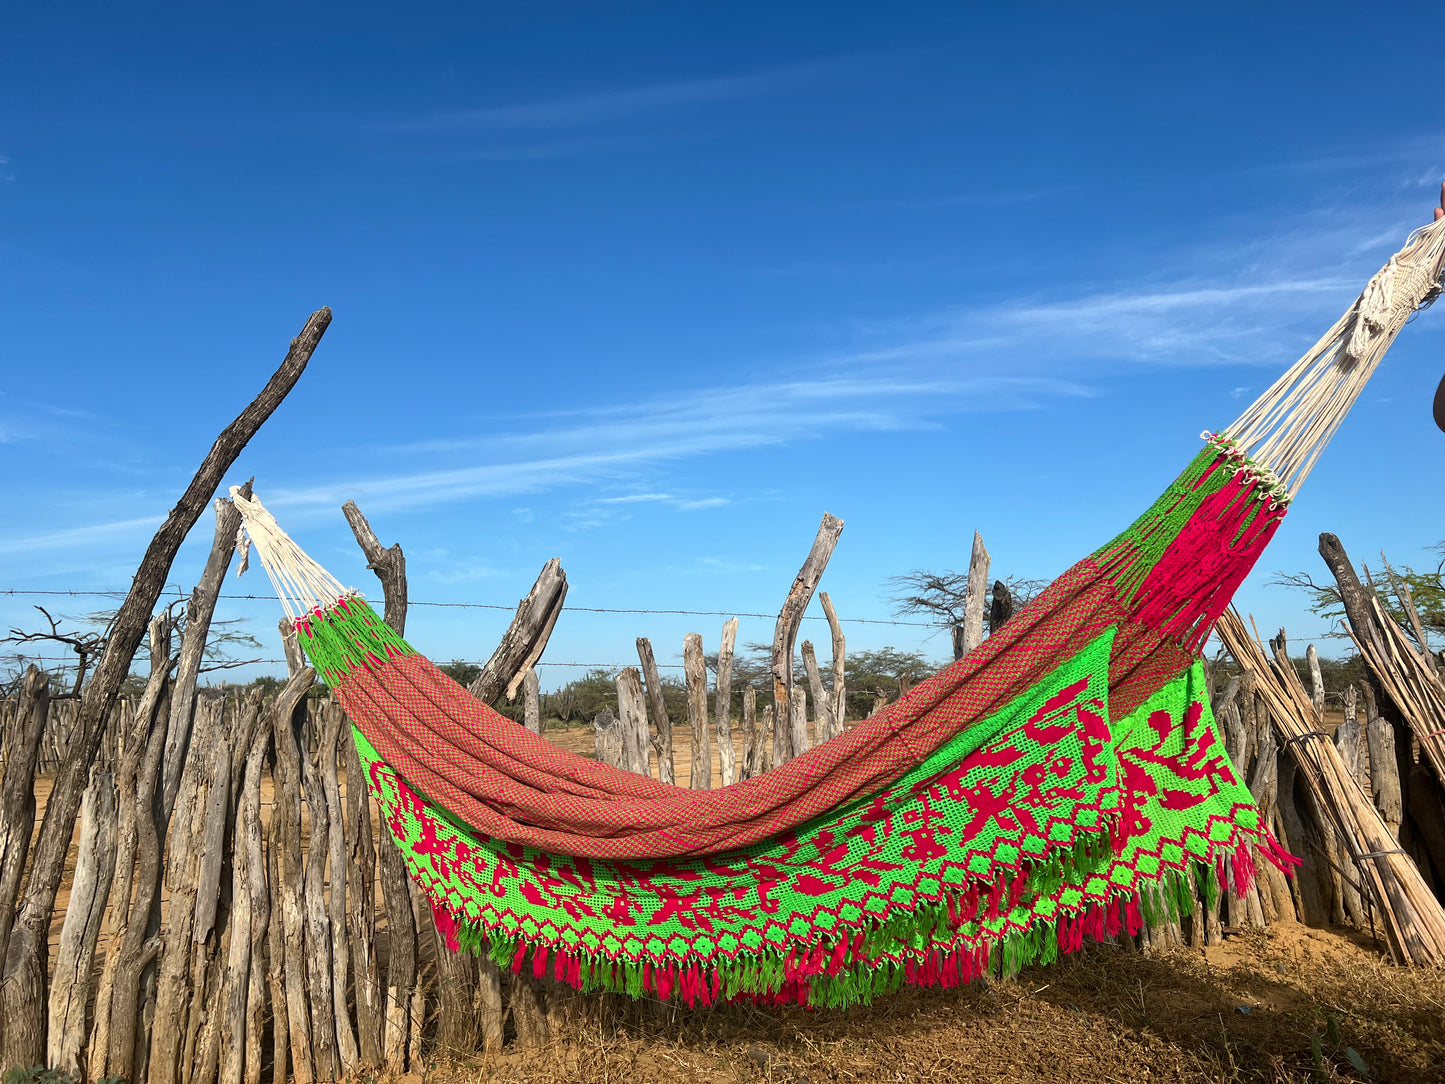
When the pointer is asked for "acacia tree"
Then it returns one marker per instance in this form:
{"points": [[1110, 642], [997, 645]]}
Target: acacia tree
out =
{"points": [[940, 596], [1395, 587], [89, 644]]}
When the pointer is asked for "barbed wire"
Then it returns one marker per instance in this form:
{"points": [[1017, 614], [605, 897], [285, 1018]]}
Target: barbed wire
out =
{"points": [[501, 606], [19, 657]]}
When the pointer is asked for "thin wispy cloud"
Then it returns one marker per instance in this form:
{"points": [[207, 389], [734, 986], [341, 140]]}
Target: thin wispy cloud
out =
{"points": [[562, 148], [624, 437], [612, 106], [96, 534]]}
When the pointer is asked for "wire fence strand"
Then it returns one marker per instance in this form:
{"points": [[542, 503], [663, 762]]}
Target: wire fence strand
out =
{"points": [[513, 606]]}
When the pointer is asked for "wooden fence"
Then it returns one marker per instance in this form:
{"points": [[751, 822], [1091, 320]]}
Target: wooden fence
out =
{"points": [[232, 911]]}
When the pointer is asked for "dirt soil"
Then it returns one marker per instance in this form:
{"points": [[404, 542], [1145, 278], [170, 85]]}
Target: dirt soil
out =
{"points": [[1292, 1005]]}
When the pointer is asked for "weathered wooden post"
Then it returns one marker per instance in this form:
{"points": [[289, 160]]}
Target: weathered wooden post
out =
{"points": [[695, 673], [75, 959], [632, 708], [723, 703], [975, 595], [657, 708], [837, 709], [389, 564], [786, 632]]}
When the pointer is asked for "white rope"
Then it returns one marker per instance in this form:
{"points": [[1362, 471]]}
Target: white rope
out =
{"points": [[1290, 425], [302, 585]]}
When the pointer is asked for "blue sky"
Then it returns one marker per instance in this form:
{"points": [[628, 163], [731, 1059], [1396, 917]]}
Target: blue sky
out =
{"points": [[648, 287]]}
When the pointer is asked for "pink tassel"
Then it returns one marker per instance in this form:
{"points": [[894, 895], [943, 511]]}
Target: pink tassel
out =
{"points": [[446, 924], [539, 962], [1133, 920], [994, 899], [666, 980], [1243, 870], [519, 957]]}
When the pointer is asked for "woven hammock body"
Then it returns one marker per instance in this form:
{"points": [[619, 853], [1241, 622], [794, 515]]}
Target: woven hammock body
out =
{"points": [[1063, 781]]}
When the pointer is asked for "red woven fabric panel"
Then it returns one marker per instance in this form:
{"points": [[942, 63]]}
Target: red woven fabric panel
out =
{"points": [[503, 781]]}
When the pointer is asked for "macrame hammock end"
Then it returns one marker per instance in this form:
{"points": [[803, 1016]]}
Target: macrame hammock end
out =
{"points": [[1064, 782]]}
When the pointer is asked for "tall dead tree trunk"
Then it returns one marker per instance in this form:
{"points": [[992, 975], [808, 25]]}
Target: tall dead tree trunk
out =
{"points": [[657, 708], [24, 978], [785, 634]]}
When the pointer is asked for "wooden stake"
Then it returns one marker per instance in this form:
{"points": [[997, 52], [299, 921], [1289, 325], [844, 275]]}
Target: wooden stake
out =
{"points": [[389, 564], [837, 710], [723, 703], [632, 707], [975, 595], [526, 638], [786, 633], [531, 702], [75, 960], [695, 672], [751, 739], [657, 709], [346, 1046], [248, 889], [607, 739], [822, 703], [361, 910], [286, 844]]}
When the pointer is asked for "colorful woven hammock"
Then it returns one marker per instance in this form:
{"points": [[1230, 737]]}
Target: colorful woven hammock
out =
{"points": [[1064, 781]]}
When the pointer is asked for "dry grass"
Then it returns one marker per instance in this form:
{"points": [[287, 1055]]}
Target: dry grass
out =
{"points": [[1282, 1007]]}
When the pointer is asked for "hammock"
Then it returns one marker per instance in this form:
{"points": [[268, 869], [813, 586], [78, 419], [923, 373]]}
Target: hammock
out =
{"points": [[1064, 781]]}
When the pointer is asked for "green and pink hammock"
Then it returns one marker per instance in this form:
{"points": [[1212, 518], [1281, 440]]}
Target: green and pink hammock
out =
{"points": [[1063, 782]]}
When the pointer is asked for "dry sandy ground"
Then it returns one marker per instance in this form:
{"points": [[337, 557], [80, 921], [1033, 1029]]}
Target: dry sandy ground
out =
{"points": [[1287, 1007]]}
